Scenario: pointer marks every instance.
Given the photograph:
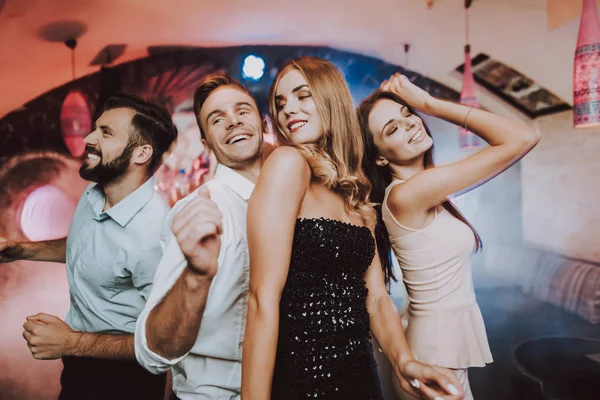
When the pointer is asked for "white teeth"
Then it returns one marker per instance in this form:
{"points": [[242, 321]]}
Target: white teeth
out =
{"points": [[416, 136], [298, 125], [237, 138], [93, 156]]}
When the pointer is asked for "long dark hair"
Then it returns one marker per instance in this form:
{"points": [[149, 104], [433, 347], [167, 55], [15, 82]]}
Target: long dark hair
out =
{"points": [[381, 177]]}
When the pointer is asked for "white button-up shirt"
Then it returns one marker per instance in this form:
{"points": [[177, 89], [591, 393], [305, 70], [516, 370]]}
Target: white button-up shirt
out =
{"points": [[111, 258], [212, 369]]}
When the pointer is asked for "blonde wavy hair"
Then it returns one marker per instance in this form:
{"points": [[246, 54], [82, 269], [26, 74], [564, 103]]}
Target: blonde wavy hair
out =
{"points": [[336, 159]]}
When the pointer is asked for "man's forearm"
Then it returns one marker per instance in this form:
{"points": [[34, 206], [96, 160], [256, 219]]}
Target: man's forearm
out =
{"points": [[99, 345], [173, 325], [50, 250]]}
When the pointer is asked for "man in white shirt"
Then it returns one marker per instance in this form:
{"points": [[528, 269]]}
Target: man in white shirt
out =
{"points": [[195, 318], [111, 253]]}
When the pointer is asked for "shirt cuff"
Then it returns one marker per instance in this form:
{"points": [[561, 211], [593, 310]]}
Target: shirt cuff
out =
{"points": [[154, 363]]}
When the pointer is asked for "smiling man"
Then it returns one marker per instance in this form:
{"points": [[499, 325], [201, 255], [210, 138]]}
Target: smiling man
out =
{"points": [[111, 253], [195, 318]]}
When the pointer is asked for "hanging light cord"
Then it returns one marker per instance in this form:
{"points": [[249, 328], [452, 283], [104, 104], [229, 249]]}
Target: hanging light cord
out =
{"points": [[73, 62], [466, 25]]}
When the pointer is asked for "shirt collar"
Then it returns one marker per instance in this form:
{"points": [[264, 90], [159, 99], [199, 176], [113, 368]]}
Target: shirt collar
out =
{"points": [[242, 186], [123, 211]]}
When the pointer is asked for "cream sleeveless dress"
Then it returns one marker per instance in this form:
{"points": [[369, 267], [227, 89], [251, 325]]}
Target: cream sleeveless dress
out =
{"points": [[445, 324]]}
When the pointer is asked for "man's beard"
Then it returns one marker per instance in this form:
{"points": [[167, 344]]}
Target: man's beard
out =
{"points": [[105, 173]]}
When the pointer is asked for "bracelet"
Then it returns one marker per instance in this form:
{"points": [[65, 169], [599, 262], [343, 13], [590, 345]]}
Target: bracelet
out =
{"points": [[467, 116]]}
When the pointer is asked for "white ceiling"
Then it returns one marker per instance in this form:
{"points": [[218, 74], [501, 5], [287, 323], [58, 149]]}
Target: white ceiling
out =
{"points": [[512, 31]]}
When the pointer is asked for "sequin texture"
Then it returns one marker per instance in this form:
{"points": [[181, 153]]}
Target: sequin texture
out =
{"points": [[324, 349]]}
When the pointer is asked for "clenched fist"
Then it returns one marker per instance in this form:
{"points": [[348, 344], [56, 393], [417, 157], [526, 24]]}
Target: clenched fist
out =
{"points": [[197, 228]]}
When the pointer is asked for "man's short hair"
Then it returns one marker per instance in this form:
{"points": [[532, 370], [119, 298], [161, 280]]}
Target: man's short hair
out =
{"points": [[207, 86], [152, 124]]}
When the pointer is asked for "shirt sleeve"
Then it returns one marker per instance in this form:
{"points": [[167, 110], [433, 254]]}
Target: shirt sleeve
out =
{"points": [[142, 275], [150, 250], [166, 231], [169, 269]]}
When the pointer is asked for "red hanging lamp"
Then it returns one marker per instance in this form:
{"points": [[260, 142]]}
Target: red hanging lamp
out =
{"points": [[75, 115]]}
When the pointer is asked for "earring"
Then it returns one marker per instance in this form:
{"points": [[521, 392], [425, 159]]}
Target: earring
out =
{"points": [[382, 162]]}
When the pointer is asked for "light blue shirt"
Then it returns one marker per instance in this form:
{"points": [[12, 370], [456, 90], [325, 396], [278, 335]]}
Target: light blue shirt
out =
{"points": [[112, 256]]}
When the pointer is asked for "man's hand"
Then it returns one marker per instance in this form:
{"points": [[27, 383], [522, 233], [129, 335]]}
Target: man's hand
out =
{"points": [[197, 227], [10, 251], [430, 383], [48, 337]]}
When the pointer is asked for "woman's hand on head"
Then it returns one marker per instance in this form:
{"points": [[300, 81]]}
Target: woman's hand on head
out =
{"points": [[413, 95]]}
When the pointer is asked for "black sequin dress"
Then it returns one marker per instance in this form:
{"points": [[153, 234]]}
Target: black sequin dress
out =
{"points": [[324, 349]]}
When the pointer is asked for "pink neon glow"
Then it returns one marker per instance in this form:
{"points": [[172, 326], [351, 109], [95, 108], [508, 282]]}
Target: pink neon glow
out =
{"points": [[47, 214], [75, 122]]}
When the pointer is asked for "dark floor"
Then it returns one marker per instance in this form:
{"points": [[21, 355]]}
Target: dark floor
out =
{"points": [[511, 317]]}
